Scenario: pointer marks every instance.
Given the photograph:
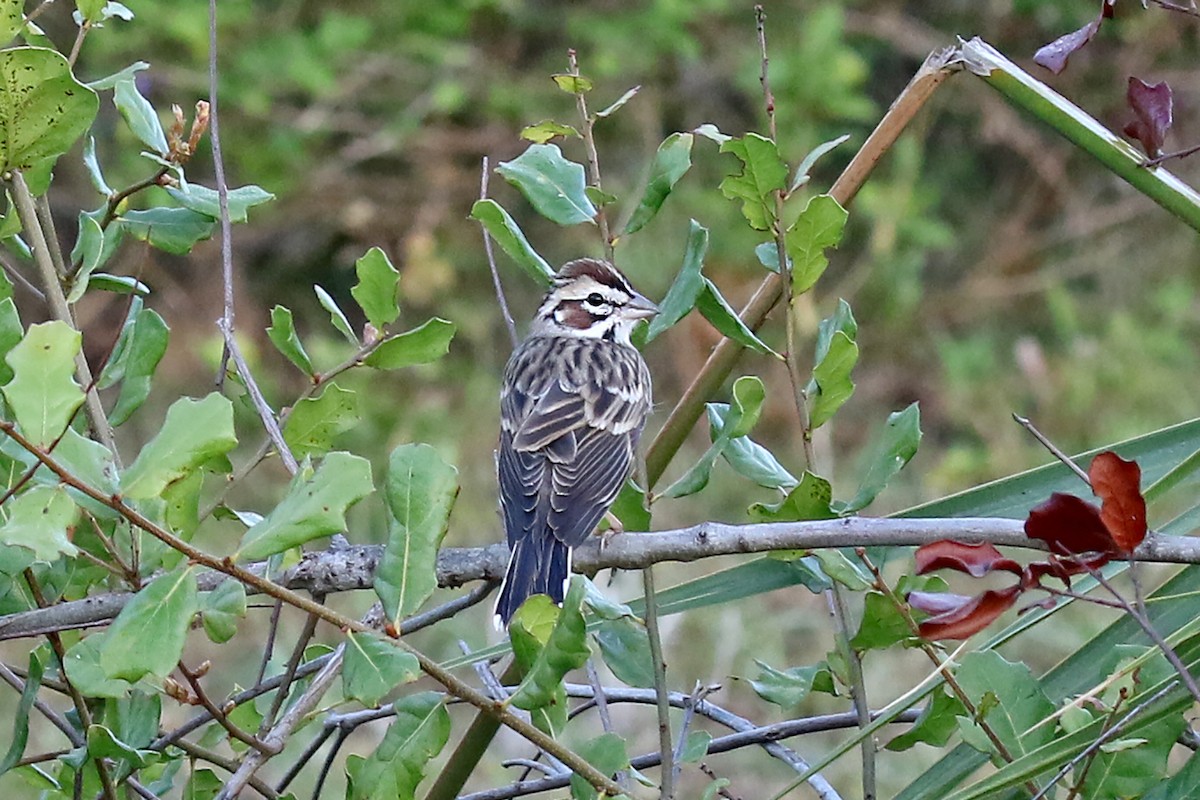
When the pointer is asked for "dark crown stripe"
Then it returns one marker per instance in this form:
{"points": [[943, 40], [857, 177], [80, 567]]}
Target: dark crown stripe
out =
{"points": [[600, 271]]}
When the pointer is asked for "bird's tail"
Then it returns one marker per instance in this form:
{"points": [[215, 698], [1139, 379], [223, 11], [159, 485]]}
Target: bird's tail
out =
{"points": [[537, 565]]}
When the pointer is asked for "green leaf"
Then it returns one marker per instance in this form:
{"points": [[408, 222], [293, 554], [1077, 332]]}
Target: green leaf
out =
{"points": [[118, 284], [82, 663], [687, 287], [840, 568], [282, 334], [551, 183], [608, 754], [737, 420], [40, 519], [935, 726], [140, 115], [91, 10], [88, 252], [102, 743], [1022, 703], [763, 173], [43, 394], [616, 104], [504, 229], [172, 230], [423, 344], [768, 255], [882, 624], [221, 609], [147, 637], [625, 646], [203, 784], [811, 159], [335, 314], [315, 422], [572, 84], [810, 499], [110, 81], [819, 227], [831, 377], [378, 287], [695, 747], [314, 506], [194, 432], [547, 129], [747, 457], [788, 688], [899, 443], [673, 159], [12, 20], [630, 507], [712, 133], [139, 349], [420, 493], [43, 109], [565, 649], [1184, 783], [718, 312], [20, 720], [206, 201], [375, 667], [11, 333], [395, 769]]}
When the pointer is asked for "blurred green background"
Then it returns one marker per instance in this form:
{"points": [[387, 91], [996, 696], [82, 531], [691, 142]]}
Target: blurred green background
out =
{"points": [[991, 266]]}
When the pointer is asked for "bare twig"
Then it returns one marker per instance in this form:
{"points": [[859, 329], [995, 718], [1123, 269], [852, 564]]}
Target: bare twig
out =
{"points": [[289, 671], [222, 199], [858, 685], [193, 680], [491, 259], [230, 765], [84, 27], [269, 645], [16, 276], [1025, 423], [265, 414], [56, 719], [587, 124], [659, 663]]}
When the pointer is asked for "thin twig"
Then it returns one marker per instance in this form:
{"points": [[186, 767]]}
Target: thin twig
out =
{"points": [[16, 276], [289, 671], [659, 663], [269, 646], [84, 27], [858, 685], [587, 124], [1052, 448], [491, 259], [223, 202], [56, 719], [305, 756], [230, 765], [242, 736], [265, 414]]}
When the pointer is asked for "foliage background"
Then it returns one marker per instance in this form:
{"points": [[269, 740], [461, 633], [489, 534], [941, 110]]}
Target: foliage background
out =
{"points": [[992, 267]]}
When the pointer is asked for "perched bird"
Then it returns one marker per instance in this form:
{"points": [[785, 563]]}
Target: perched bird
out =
{"points": [[575, 397]]}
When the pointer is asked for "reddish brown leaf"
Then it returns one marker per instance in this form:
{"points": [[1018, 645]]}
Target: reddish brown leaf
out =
{"points": [[1062, 568], [1054, 55], [1117, 483], [970, 617], [1069, 526], [1153, 106], [976, 560]]}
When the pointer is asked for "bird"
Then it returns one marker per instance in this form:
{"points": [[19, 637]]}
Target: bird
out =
{"points": [[573, 402]]}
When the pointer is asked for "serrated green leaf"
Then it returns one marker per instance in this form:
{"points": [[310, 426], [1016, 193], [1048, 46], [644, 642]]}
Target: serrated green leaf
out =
{"points": [[315, 422], [625, 647], [831, 379], [377, 290], [722, 317], [1022, 702], [221, 609], [206, 201], [763, 173], [565, 649], [147, 637], [193, 433], [397, 766], [935, 726], [420, 493], [788, 688], [43, 109], [374, 667], [608, 754], [896, 447], [282, 334], [572, 84], [810, 499], [140, 347], [505, 231], [139, 115], [40, 520], [11, 333], [687, 287], [818, 228], [43, 394], [335, 314], [671, 162], [93, 167], [423, 344], [882, 624], [172, 230], [314, 506], [552, 184], [547, 129], [82, 663]]}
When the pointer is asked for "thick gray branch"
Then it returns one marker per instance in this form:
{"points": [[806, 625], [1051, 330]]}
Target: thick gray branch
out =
{"points": [[348, 568]]}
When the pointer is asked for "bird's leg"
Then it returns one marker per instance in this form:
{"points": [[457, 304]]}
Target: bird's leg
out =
{"points": [[615, 527]]}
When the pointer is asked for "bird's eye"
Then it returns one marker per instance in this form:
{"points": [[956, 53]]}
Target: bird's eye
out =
{"points": [[595, 299]]}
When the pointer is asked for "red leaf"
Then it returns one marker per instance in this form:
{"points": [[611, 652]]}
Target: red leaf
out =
{"points": [[1069, 526], [976, 560], [1054, 56], [1062, 568], [1117, 483], [970, 617], [1152, 105]]}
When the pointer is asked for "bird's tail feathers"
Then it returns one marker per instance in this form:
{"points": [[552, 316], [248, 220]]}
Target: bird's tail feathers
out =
{"points": [[537, 565]]}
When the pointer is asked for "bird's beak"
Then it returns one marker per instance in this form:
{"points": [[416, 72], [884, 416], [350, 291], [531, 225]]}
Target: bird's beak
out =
{"points": [[640, 307]]}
